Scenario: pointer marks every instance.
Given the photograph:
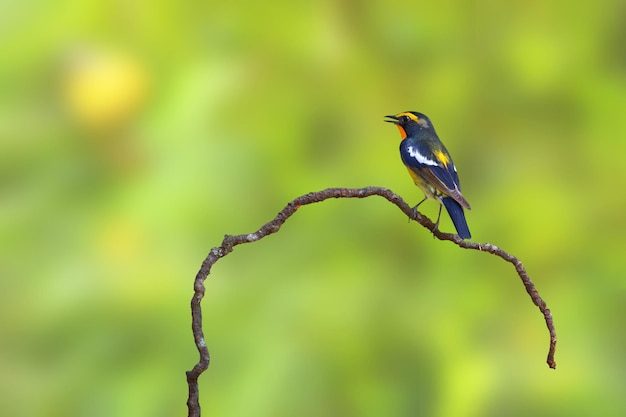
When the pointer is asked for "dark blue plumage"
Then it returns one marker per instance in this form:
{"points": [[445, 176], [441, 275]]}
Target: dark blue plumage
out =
{"points": [[458, 217], [431, 167]]}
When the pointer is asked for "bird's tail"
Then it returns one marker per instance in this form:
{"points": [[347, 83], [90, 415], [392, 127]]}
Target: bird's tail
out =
{"points": [[458, 217]]}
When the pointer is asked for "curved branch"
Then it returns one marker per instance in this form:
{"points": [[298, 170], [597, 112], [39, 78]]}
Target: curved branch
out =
{"points": [[230, 241]]}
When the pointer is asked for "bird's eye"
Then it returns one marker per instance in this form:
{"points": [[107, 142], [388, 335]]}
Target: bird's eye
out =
{"points": [[404, 119]]}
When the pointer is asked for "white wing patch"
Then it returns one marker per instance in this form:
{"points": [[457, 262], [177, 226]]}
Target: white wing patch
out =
{"points": [[420, 158]]}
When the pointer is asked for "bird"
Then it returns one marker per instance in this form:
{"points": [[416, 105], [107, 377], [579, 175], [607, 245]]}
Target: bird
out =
{"points": [[431, 167]]}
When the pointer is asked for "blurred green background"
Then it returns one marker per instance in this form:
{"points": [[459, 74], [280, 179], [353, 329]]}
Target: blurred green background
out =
{"points": [[134, 135]]}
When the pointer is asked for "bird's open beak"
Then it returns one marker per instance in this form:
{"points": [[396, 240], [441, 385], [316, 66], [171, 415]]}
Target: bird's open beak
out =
{"points": [[393, 120]]}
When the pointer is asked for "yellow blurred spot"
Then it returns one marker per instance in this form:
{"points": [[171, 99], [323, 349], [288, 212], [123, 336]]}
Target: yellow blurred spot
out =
{"points": [[120, 242], [103, 89]]}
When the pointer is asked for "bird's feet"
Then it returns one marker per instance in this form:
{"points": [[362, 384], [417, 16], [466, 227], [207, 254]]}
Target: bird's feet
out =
{"points": [[413, 213], [414, 210], [435, 228]]}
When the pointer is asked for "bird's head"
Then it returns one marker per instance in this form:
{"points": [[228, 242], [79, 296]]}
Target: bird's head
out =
{"points": [[410, 122]]}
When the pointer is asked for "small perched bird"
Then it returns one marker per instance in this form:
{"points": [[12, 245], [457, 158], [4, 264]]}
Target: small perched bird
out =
{"points": [[431, 167]]}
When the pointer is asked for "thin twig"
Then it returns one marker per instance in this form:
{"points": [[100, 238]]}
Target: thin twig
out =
{"points": [[230, 241]]}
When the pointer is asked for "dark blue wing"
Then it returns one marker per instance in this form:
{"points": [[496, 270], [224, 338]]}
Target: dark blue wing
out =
{"points": [[434, 167], [446, 173]]}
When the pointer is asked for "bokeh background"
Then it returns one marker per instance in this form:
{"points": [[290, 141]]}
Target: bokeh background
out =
{"points": [[134, 135]]}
